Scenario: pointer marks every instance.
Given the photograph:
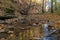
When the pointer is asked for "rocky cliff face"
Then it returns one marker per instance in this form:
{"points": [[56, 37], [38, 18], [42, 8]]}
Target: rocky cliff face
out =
{"points": [[7, 6], [19, 7]]}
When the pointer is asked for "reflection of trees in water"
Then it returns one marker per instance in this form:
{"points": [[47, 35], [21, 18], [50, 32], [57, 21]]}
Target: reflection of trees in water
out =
{"points": [[29, 33]]}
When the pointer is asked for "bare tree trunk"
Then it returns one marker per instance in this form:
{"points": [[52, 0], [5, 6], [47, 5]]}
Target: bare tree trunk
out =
{"points": [[43, 6], [51, 6], [55, 4]]}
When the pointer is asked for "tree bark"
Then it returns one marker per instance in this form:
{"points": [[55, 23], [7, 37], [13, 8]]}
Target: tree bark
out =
{"points": [[55, 4], [43, 6], [51, 6]]}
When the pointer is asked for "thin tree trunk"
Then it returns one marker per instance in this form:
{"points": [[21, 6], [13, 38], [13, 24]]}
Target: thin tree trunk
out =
{"points": [[43, 6], [51, 6], [55, 4]]}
